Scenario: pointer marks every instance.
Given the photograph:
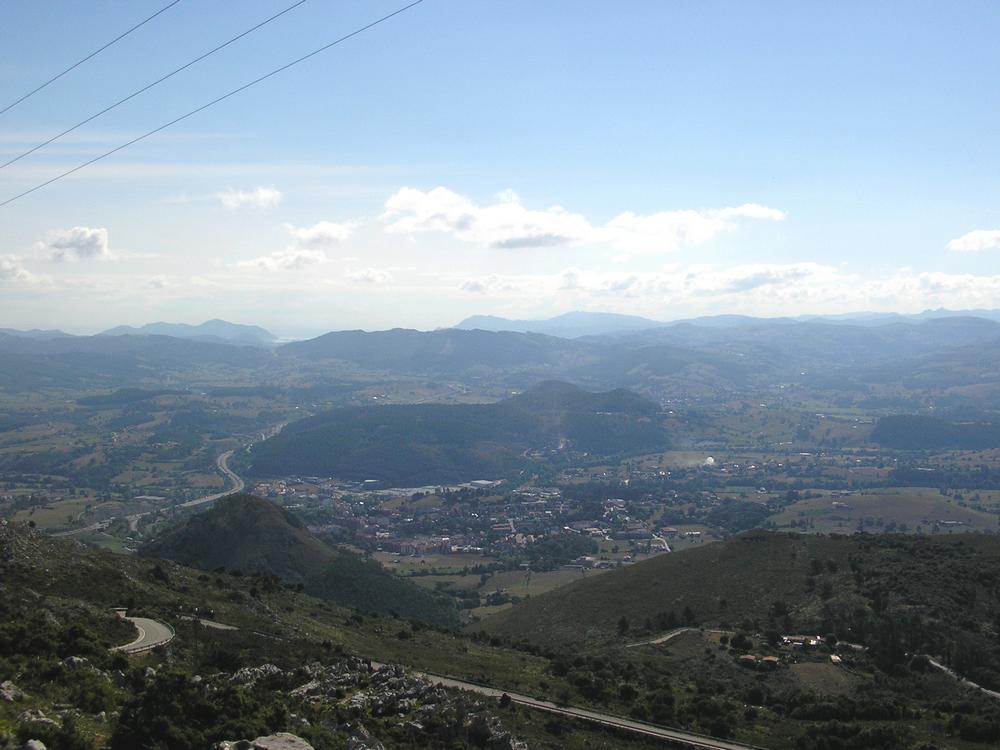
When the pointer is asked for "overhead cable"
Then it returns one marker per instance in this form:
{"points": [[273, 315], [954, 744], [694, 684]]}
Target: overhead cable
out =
{"points": [[96, 52], [148, 86], [215, 101]]}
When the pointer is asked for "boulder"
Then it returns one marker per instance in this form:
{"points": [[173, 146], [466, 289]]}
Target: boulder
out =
{"points": [[10, 692], [33, 745], [279, 741], [250, 675], [35, 718], [362, 739]]}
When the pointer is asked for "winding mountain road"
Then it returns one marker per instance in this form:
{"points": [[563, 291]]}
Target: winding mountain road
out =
{"points": [[151, 635]]}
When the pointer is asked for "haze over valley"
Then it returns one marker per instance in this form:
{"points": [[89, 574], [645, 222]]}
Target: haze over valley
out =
{"points": [[499, 375]]}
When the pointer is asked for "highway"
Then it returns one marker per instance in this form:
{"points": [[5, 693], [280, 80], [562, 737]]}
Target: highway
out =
{"points": [[222, 463], [151, 634], [676, 736]]}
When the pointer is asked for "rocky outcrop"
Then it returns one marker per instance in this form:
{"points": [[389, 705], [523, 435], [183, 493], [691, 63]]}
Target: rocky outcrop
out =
{"points": [[10, 693], [250, 675], [362, 739], [279, 741]]}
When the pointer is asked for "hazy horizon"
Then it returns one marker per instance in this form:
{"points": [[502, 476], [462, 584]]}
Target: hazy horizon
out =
{"points": [[670, 161]]}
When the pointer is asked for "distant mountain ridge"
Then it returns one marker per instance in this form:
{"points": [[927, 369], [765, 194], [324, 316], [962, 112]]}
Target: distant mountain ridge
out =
{"points": [[580, 324], [35, 333], [569, 325], [210, 330]]}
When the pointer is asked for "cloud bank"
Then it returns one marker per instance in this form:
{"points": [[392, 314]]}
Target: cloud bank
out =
{"points": [[262, 197], [508, 224], [976, 241]]}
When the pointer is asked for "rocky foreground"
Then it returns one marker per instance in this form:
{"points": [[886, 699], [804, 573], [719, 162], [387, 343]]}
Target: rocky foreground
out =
{"points": [[353, 690]]}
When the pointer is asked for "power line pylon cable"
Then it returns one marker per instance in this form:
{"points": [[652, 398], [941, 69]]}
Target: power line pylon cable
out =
{"points": [[148, 86], [215, 101], [93, 54]]}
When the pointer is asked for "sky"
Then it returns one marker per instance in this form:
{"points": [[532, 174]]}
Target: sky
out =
{"points": [[521, 158]]}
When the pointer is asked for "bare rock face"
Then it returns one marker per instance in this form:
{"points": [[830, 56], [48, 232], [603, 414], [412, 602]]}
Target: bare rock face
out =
{"points": [[250, 675], [10, 692], [362, 739], [279, 741]]}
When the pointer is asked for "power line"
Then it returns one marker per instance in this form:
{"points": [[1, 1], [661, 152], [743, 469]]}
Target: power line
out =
{"points": [[148, 86], [235, 91], [92, 54]]}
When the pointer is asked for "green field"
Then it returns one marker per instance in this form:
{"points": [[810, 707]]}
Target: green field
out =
{"points": [[913, 509]]}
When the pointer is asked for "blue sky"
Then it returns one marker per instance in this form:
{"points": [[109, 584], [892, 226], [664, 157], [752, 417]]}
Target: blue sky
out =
{"points": [[517, 158]]}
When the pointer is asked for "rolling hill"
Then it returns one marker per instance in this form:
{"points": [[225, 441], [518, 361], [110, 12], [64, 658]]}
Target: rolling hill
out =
{"points": [[895, 594], [409, 445], [445, 352], [246, 533], [916, 432]]}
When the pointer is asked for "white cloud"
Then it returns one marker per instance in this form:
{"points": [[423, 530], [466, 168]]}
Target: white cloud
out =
{"points": [[262, 197], [372, 276], [158, 283], [976, 241], [79, 243], [666, 231], [491, 284], [11, 270], [321, 234], [290, 259], [505, 224], [509, 224]]}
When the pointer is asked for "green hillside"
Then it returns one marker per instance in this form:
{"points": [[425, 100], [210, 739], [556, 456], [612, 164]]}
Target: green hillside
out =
{"points": [[426, 443], [252, 535], [894, 594], [913, 432]]}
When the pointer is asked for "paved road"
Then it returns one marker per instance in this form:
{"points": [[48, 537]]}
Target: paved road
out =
{"points": [[209, 623], [238, 484], [222, 462], [677, 736], [661, 639], [963, 680], [151, 634]]}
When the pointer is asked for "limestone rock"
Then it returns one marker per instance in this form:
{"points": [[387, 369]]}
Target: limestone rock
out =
{"points": [[362, 739], [10, 692], [279, 741]]}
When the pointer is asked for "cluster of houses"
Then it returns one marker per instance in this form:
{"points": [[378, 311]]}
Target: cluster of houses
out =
{"points": [[477, 517]]}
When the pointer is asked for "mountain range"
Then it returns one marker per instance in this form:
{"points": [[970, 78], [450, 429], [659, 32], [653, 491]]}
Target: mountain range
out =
{"points": [[579, 324], [210, 330]]}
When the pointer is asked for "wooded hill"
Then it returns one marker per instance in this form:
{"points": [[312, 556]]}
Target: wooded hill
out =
{"points": [[895, 594], [249, 534], [416, 444]]}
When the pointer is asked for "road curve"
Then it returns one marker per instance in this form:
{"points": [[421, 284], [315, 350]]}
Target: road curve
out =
{"points": [[151, 635], [677, 736], [222, 462], [238, 484]]}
